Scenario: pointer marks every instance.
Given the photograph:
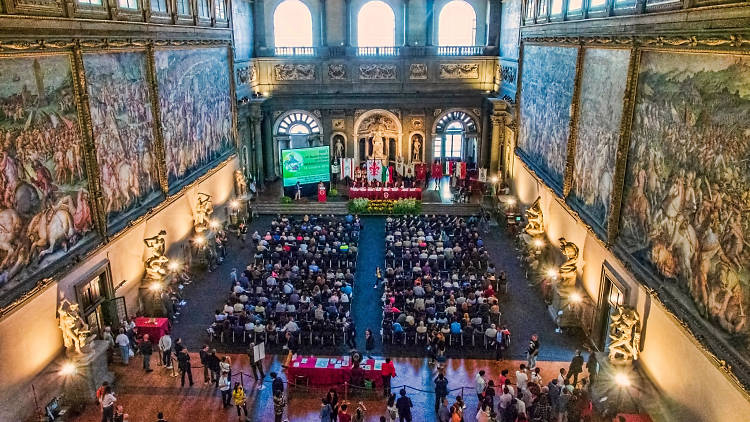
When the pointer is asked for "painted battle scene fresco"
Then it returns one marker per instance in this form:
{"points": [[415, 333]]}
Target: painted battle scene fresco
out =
{"points": [[45, 213], [686, 209], [546, 93], [123, 132], [603, 84], [196, 113]]}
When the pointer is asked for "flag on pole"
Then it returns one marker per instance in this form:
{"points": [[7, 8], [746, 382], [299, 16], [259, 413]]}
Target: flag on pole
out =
{"points": [[347, 168], [449, 166], [482, 175], [420, 170], [460, 170], [437, 171], [400, 166], [387, 175], [374, 170], [410, 172]]}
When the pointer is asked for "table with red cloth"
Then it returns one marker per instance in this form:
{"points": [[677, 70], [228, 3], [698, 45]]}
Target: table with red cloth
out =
{"points": [[385, 193], [154, 327], [331, 374]]}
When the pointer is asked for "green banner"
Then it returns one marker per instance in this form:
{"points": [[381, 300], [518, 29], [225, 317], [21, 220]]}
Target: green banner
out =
{"points": [[305, 165]]}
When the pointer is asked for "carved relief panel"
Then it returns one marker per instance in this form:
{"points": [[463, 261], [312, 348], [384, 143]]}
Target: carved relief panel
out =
{"points": [[294, 72], [337, 71], [377, 71], [418, 71], [459, 71]]}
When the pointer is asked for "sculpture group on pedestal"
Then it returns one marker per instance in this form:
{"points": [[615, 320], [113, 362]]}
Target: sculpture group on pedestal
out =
{"points": [[74, 330], [156, 262], [625, 335], [535, 218], [203, 211], [569, 268]]}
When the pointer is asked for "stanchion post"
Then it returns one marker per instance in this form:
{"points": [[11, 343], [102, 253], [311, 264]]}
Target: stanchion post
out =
{"points": [[346, 390]]}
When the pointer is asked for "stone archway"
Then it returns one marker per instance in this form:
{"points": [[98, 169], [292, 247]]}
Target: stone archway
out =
{"points": [[377, 135]]}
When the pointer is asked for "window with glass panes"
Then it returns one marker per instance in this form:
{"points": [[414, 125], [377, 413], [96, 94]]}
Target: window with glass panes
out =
{"points": [[90, 2], [159, 6], [220, 10], [203, 9], [128, 4], [183, 7]]}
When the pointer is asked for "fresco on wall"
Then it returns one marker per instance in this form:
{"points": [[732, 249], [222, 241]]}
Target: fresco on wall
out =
{"points": [[510, 29], [603, 83], [123, 132], [45, 213], [196, 113], [546, 94], [686, 209]]}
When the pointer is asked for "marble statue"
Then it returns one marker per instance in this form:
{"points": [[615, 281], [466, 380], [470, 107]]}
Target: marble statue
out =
{"points": [[156, 262], [203, 211], [240, 184], [338, 149], [74, 330], [417, 148], [378, 146], [625, 335], [535, 217], [569, 267]]}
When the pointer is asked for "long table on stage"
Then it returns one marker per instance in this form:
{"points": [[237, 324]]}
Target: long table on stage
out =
{"points": [[331, 371], [385, 193]]}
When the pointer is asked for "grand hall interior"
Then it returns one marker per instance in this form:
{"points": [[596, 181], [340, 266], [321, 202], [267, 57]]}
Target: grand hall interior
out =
{"points": [[374, 210]]}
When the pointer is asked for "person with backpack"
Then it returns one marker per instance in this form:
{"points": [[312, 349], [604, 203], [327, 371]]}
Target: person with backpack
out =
{"points": [[503, 342], [441, 389], [278, 406], [391, 410]]}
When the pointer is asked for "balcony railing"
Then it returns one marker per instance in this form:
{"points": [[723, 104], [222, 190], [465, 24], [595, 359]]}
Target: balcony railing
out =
{"points": [[467, 50], [378, 51], [400, 51], [294, 51]]}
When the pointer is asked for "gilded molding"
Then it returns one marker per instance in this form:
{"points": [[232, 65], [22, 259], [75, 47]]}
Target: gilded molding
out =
{"points": [[573, 125], [81, 94], [621, 160], [738, 40], [233, 94], [153, 95]]}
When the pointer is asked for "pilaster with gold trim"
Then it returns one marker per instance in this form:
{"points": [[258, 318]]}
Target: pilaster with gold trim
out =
{"points": [[153, 94], [573, 124], [233, 98], [81, 94], [621, 161]]}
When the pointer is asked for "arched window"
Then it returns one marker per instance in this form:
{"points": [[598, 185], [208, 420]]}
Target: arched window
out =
{"points": [[292, 25], [457, 24], [298, 124], [452, 130], [376, 25]]}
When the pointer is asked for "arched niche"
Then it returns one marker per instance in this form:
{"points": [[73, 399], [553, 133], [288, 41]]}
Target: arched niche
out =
{"points": [[417, 145], [378, 135]]}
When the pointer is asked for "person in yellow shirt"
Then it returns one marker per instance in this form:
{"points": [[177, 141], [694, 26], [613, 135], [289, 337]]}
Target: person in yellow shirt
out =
{"points": [[240, 399]]}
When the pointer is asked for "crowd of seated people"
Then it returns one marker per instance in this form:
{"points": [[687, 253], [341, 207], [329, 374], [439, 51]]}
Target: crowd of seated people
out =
{"points": [[298, 287], [440, 288]]}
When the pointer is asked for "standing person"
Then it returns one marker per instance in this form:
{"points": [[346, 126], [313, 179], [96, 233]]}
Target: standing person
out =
{"points": [[256, 365], [444, 412], [351, 335], [325, 411], [240, 400], [225, 386], [369, 343], [165, 347], [147, 349], [483, 414], [183, 364], [278, 406], [108, 405], [391, 410], [533, 351], [333, 400], [576, 367], [480, 384], [503, 342], [359, 413], [404, 405], [297, 191], [160, 417], [441, 391], [277, 385], [123, 342], [522, 379], [213, 367], [204, 354], [344, 415], [592, 365], [388, 371]]}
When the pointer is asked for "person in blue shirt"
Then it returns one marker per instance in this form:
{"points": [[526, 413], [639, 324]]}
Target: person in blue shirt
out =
{"points": [[398, 331], [455, 327], [348, 290]]}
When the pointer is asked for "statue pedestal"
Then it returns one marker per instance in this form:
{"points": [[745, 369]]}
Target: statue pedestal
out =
{"points": [[91, 371]]}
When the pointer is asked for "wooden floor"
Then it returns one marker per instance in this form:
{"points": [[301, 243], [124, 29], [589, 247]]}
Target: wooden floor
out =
{"points": [[143, 395]]}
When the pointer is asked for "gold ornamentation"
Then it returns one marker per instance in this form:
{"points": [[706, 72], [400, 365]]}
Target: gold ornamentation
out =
{"points": [[573, 125], [569, 268], [153, 95], [535, 218], [203, 211], [625, 335], [156, 262], [74, 330], [240, 184]]}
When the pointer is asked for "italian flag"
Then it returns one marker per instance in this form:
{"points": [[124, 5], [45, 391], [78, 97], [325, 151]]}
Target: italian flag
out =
{"points": [[387, 174]]}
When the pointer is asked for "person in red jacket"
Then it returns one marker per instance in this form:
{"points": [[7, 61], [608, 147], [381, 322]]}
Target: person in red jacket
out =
{"points": [[388, 371]]}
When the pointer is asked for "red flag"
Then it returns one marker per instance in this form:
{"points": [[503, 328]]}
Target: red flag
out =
{"points": [[437, 171]]}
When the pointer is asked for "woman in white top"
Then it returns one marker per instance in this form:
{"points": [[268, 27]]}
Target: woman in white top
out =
{"points": [[483, 415]]}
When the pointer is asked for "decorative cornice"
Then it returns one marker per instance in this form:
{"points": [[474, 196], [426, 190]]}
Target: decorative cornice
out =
{"points": [[737, 40], [103, 43]]}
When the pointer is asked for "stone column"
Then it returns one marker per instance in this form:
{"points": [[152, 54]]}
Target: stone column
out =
{"points": [[259, 27], [255, 120], [496, 144], [429, 18], [323, 19], [348, 20], [406, 22]]}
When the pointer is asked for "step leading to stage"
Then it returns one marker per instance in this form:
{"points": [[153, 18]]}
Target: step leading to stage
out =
{"points": [[341, 208]]}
